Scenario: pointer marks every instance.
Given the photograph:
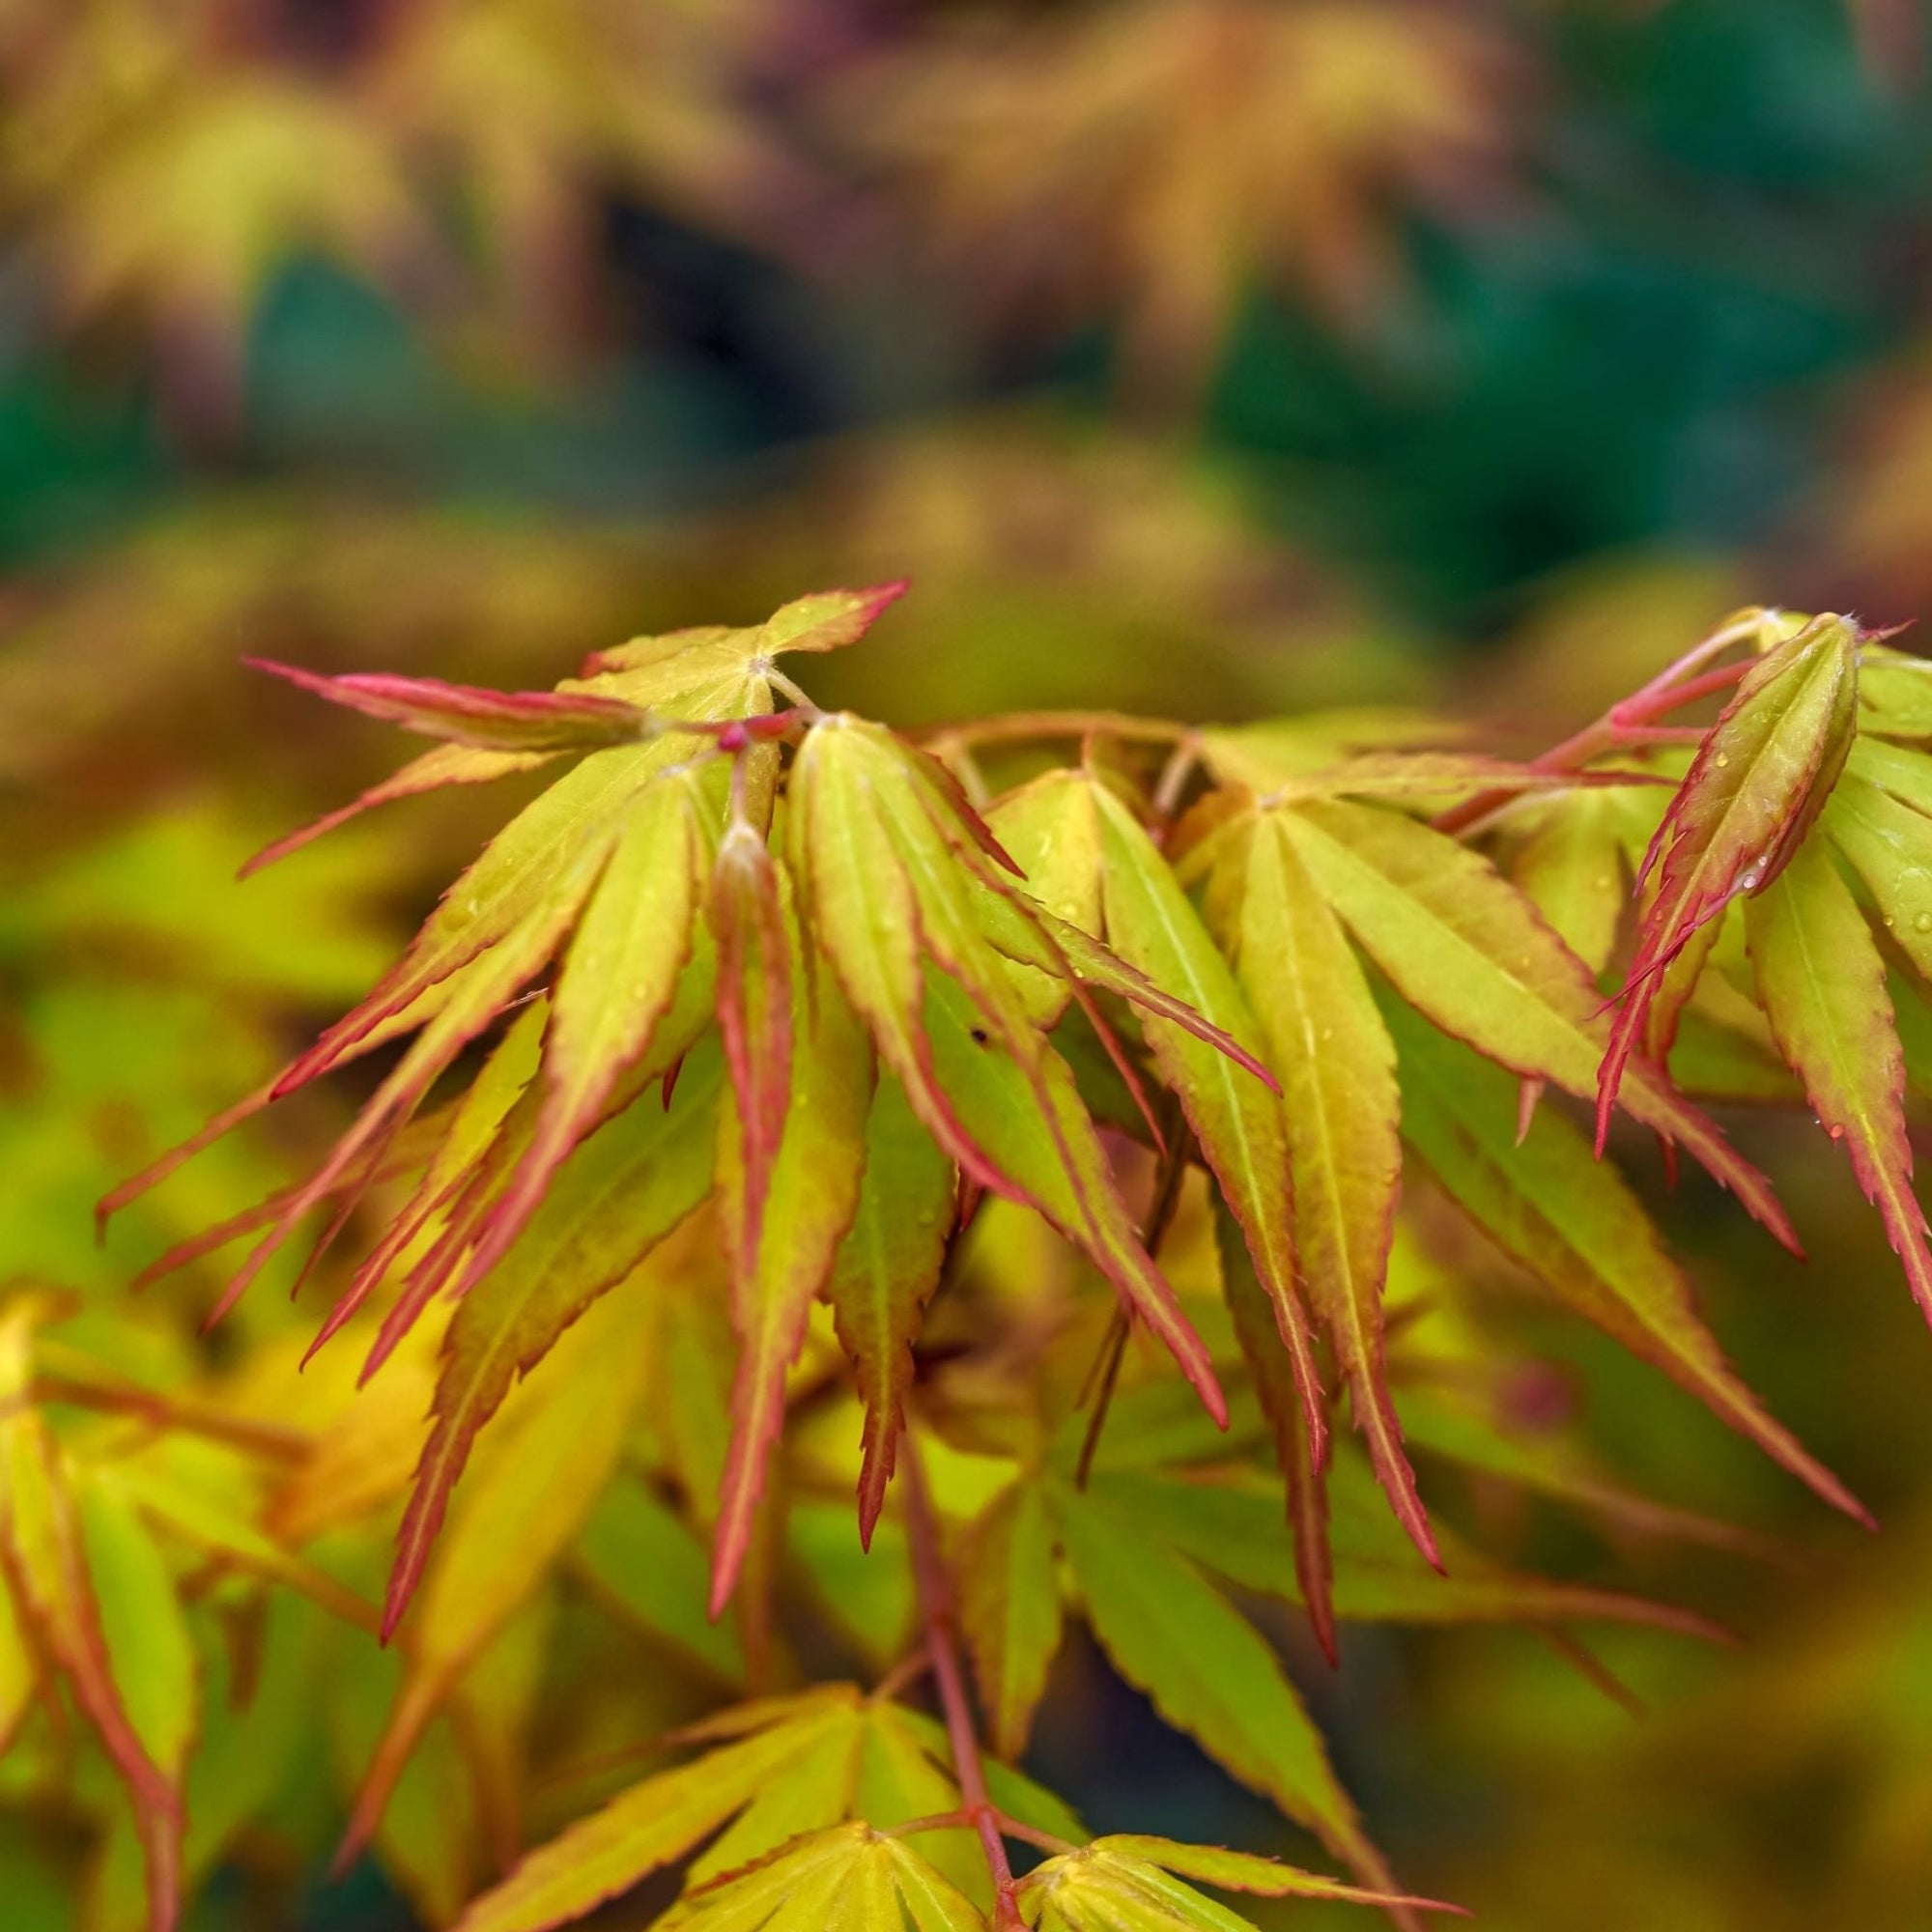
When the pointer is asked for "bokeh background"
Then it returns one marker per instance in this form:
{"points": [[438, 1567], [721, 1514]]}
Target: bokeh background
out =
{"points": [[1208, 357]]}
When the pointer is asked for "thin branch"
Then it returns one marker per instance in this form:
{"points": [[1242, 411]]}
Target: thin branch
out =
{"points": [[1632, 721], [1018, 726], [935, 1598]]}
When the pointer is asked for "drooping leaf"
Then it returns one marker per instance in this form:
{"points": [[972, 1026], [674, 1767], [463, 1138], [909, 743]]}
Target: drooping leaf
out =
{"points": [[1336, 1064], [815, 1170], [754, 1017], [1226, 1524], [1009, 1610], [1575, 1224], [895, 900], [1465, 948], [1040, 1129], [1305, 1486], [47, 1570], [1821, 979], [517, 721], [1758, 782], [886, 1270], [626, 1188], [1237, 1120]]}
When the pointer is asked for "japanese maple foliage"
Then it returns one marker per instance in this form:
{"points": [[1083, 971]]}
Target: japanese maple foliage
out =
{"points": [[1010, 1125]]}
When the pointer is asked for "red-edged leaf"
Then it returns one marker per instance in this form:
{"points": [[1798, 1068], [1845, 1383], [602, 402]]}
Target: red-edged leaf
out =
{"points": [[1466, 948], [620, 1194], [1342, 1106], [1305, 1485], [1821, 980], [886, 1270], [445, 765], [754, 1017], [620, 979], [485, 721], [812, 1197], [47, 1569], [1236, 1117], [1759, 779], [1573, 1223]]}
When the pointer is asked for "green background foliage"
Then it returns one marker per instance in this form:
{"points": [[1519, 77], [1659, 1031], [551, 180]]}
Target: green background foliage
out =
{"points": [[466, 379]]}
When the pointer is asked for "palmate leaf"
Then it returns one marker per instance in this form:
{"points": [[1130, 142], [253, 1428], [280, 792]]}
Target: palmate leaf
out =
{"points": [[100, 1537], [781, 1769], [1135, 1885], [1237, 1118], [1576, 1225], [898, 902], [625, 1189], [1821, 980], [1759, 780], [783, 1252], [487, 720], [885, 1270], [846, 1880], [1337, 1067]]}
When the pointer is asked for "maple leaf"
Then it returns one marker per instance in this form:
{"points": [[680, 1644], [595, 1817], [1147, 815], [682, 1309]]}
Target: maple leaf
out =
{"points": [[1759, 780], [1127, 1883], [1187, 148]]}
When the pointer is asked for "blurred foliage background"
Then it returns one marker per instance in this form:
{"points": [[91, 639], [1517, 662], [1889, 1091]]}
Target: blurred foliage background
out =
{"points": [[1210, 357]]}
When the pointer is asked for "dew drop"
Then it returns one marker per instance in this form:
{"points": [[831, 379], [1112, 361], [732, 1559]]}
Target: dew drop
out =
{"points": [[1836, 1131], [1722, 759], [1922, 922]]}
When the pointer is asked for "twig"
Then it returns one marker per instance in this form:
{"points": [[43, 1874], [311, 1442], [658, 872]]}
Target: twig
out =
{"points": [[935, 1598], [1630, 720]]}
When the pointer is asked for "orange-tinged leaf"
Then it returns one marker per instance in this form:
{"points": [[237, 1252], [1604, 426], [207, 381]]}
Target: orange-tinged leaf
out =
{"points": [[623, 1191], [487, 720], [1758, 782], [1037, 1129], [469, 1129], [1051, 829], [754, 1016], [1235, 1118], [1441, 776], [816, 1177], [620, 976], [1305, 1486], [1468, 949], [1009, 1608], [884, 1271], [1821, 981], [1573, 1223], [518, 873], [475, 999], [445, 765], [863, 915], [1330, 1050]]}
